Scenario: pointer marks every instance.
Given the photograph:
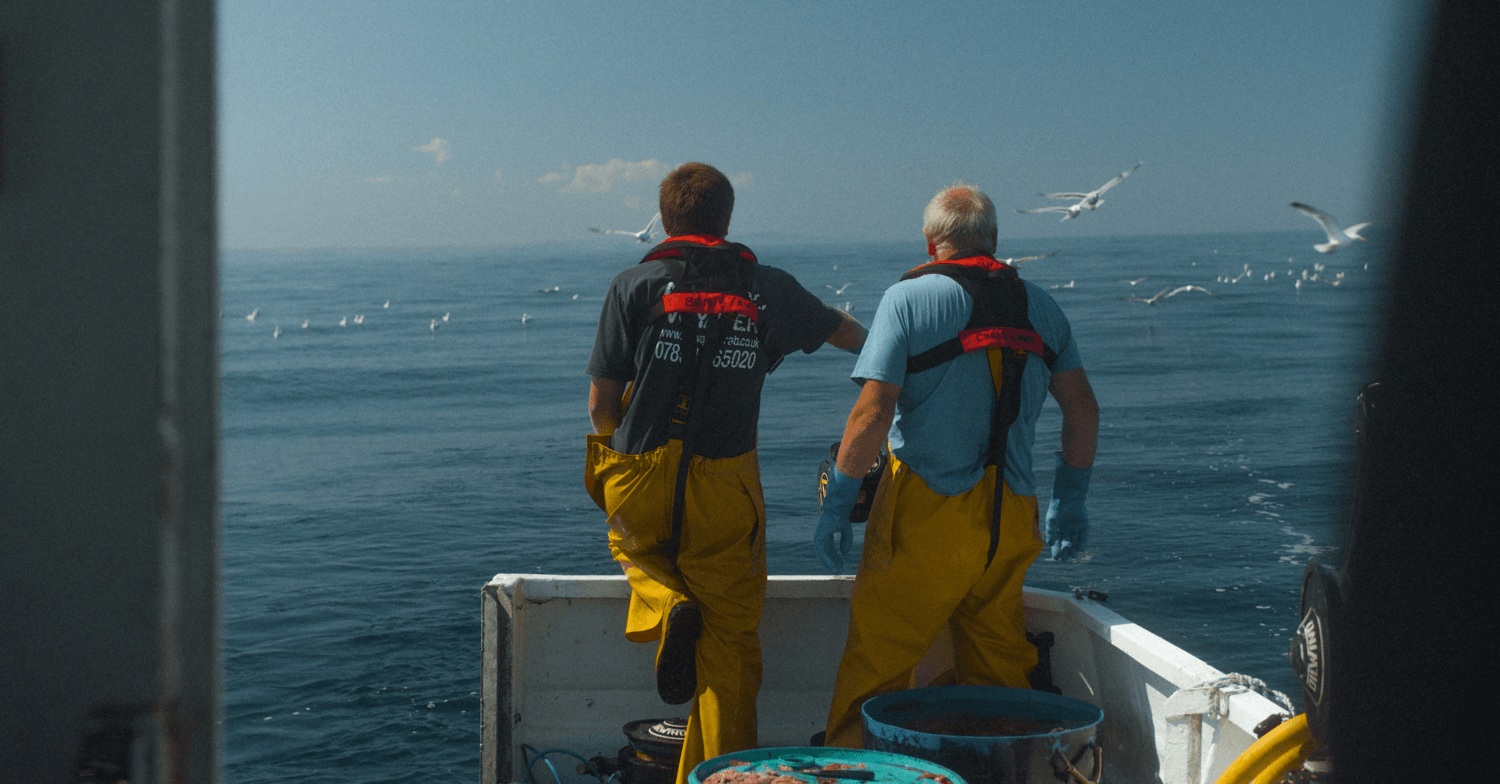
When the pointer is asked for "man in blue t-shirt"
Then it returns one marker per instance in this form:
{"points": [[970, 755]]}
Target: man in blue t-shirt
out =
{"points": [[934, 552]]}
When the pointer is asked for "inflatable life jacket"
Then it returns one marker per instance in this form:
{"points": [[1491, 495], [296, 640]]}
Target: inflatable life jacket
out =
{"points": [[712, 278], [999, 321]]}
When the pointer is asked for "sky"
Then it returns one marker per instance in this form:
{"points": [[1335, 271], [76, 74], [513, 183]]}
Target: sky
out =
{"points": [[434, 123]]}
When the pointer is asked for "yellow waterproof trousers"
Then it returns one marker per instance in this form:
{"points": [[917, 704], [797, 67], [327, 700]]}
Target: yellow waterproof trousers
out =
{"points": [[924, 564], [720, 564]]}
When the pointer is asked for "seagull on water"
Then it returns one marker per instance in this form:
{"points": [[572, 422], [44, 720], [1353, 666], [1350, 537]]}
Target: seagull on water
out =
{"points": [[1168, 292], [1090, 200], [1337, 238], [644, 235], [251, 316]]}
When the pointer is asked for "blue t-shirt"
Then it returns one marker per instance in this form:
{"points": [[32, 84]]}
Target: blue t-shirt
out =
{"points": [[942, 419]]}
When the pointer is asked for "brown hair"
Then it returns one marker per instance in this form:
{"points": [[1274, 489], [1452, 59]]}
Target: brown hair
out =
{"points": [[696, 199]]}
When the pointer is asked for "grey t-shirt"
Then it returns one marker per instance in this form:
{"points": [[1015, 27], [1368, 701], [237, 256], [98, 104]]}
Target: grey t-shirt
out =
{"points": [[652, 356]]}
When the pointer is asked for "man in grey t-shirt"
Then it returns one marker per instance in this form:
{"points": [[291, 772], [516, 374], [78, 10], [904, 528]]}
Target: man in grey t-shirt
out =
{"points": [[685, 340]]}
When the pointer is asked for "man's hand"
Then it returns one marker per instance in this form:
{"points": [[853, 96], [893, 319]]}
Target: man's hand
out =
{"points": [[838, 500], [1067, 526]]}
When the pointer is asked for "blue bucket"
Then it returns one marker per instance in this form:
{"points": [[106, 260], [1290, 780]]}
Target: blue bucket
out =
{"points": [[888, 768], [987, 734]]}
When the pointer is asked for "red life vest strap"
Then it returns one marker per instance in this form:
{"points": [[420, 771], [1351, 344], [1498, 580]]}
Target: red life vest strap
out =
{"points": [[671, 247], [703, 302], [1005, 337], [986, 263]]}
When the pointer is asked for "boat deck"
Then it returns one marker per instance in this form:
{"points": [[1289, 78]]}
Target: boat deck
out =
{"points": [[559, 673]]}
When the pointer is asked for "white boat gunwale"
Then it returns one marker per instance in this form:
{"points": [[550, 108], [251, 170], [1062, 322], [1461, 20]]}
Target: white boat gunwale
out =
{"points": [[558, 673]]}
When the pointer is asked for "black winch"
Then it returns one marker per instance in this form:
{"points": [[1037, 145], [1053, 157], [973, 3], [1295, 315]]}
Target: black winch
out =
{"points": [[654, 749]]}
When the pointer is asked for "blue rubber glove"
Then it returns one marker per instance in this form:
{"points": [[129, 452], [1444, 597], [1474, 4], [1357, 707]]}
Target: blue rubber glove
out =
{"points": [[838, 500], [1067, 528]]}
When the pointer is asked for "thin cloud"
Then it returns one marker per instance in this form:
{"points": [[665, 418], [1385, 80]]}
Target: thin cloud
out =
{"points": [[742, 179], [551, 177], [601, 177], [439, 149]]}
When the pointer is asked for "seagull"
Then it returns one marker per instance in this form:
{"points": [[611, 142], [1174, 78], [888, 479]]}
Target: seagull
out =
{"points": [[1024, 259], [433, 326], [344, 321], [445, 316], [1167, 292], [387, 304], [644, 235], [277, 332], [1070, 284], [252, 315], [359, 319], [839, 290], [1337, 238], [525, 317], [554, 288], [304, 323], [1072, 211], [1090, 199], [1133, 282]]}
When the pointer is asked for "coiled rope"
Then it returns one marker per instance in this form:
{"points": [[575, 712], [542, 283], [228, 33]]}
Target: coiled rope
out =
{"points": [[1221, 689]]}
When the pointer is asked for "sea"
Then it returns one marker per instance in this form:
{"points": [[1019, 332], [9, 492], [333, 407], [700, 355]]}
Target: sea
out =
{"points": [[401, 425]]}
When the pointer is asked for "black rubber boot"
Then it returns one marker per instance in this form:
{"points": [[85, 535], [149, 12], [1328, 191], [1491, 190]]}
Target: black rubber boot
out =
{"points": [[677, 658]]}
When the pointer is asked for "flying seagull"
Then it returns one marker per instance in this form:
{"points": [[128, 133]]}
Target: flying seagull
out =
{"points": [[1133, 282], [1167, 292], [1072, 212], [1090, 200], [644, 235], [1024, 259], [1337, 238]]}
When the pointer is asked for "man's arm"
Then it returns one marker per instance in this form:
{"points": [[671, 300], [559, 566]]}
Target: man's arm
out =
{"points": [[850, 335], [869, 423], [604, 404], [1080, 411]]}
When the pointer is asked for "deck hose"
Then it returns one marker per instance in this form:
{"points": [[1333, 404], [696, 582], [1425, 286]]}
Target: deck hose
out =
{"points": [[1268, 759]]}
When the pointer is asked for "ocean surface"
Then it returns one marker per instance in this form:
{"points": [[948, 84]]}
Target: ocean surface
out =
{"points": [[399, 426]]}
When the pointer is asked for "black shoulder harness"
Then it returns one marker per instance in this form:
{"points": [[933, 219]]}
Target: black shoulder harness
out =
{"points": [[706, 279], [999, 321]]}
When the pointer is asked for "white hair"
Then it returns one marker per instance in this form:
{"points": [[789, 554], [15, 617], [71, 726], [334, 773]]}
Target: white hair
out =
{"points": [[960, 217]]}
